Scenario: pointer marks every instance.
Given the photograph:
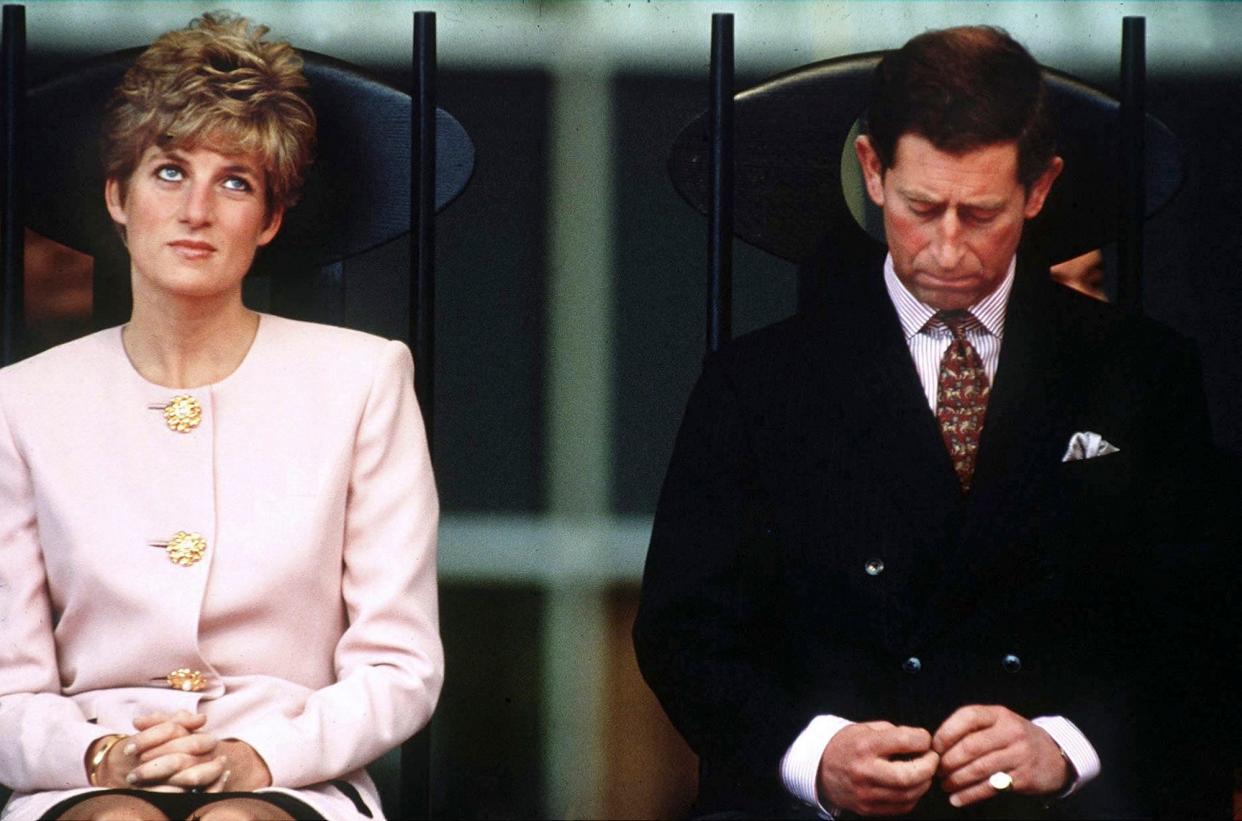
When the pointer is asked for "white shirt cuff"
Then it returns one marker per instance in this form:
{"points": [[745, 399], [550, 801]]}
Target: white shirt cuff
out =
{"points": [[800, 764], [1082, 756]]}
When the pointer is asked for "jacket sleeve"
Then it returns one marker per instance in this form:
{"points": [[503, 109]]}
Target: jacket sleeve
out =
{"points": [[707, 633], [389, 661], [43, 735]]}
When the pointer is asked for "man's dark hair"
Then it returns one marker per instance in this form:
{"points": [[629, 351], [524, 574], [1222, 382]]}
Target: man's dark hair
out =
{"points": [[961, 89]]}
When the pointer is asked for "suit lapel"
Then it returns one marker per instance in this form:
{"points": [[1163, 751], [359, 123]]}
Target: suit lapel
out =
{"points": [[886, 406], [1017, 452]]}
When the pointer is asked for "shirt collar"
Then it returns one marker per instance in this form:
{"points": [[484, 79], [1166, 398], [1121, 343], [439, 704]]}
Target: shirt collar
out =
{"points": [[914, 314]]}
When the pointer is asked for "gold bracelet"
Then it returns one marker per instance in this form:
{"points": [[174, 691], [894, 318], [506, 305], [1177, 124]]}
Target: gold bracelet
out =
{"points": [[97, 760]]}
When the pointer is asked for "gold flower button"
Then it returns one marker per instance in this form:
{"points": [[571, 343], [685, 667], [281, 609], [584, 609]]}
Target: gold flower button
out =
{"points": [[183, 678], [183, 413], [184, 548]]}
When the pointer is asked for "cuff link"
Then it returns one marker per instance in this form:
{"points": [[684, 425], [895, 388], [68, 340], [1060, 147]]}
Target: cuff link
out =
{"points": [[184, 549], [182, 414], [185, 679]]}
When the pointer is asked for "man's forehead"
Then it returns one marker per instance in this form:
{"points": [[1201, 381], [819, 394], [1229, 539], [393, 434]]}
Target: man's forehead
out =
{"points": [[983, 173]]}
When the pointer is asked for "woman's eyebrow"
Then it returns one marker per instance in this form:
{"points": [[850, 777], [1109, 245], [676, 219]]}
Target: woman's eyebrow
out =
{"points": [[240, 168]]}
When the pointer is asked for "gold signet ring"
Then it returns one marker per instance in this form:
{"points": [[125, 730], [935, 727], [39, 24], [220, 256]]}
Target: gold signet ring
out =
{"points": [[1000, 781]]}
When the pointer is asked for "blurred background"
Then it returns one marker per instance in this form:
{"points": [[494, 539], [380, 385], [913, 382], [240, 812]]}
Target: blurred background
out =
{"points": [[571, 282]]}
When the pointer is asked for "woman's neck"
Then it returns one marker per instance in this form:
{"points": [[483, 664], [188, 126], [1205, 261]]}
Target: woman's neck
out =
{"points": [[188, 343]]}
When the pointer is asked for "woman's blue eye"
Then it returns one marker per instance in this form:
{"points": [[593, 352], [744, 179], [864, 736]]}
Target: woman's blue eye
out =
{"points": [[236, 184], [169, 173]]}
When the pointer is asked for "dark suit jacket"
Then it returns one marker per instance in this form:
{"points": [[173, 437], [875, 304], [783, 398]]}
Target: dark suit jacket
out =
{"points": [[808, 450]]}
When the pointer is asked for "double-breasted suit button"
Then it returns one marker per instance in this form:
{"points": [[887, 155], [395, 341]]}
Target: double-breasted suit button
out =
{"points": [[912, 665], [1011, 663], [182, 413], [183, 678], [184, 548], [874, 567]]}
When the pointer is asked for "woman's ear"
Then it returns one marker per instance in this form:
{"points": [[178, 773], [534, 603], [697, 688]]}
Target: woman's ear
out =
{"points": [[273, 225], [114, 196]]}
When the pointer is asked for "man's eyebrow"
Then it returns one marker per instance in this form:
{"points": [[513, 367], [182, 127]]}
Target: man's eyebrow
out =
{"points": [[986, 204]]}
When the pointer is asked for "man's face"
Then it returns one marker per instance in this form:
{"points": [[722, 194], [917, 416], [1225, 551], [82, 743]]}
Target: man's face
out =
{"points": [[953, 221]]}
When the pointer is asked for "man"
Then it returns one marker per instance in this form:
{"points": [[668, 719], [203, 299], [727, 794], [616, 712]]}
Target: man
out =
{"points": [[899, 557]]}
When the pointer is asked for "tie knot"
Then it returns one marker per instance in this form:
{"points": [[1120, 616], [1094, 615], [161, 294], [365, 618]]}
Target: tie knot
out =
{"points": [[956, 321]]}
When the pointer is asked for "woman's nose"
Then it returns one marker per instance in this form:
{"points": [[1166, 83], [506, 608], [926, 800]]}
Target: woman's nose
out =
{"points": [[196, 205]]}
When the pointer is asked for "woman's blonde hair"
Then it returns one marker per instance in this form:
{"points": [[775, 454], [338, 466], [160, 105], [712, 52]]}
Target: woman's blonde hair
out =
{"points": [[216, 84]]}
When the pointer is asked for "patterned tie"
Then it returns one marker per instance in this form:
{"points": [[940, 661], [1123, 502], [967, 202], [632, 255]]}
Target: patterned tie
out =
{"points": [[962, 395]]}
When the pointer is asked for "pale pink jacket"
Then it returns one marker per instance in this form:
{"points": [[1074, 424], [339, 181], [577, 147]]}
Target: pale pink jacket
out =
{"points": [[313, 613]]}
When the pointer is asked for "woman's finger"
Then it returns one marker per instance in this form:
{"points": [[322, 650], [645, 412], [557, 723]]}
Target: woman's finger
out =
{"points": [[161, 769], [199, 775], [197, 744], [164, 788], [150, 720], [221, 783], [156, 735], [191, 721]]}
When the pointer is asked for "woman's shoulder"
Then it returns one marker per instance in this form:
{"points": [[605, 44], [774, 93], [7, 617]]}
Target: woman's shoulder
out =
{"points": [[296, 336], [68, 363], [329, 350]]}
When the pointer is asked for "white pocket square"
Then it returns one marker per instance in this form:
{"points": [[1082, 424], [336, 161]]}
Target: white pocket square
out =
{"points": [[1087, 445]]}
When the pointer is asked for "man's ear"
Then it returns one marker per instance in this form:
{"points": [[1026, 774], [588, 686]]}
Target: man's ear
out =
{"points": [[273, 225], [115, 200], [872, 168], [1039, 189]]}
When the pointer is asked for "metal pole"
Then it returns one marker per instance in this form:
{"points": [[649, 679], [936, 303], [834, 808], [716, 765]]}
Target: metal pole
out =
{"points": [[720, 186], [422, 217], [1133, 183], [416, 751], [12, 109]]}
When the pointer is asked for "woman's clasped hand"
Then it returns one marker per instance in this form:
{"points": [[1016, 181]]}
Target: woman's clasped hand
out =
{"points": [[175, 753]]}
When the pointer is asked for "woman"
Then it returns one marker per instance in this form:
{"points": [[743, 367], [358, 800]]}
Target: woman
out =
{"points": [[217, 578]]}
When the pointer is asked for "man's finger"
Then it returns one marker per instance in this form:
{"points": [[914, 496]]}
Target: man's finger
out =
{"points": [[965, 720], [973, 794], [899, 741], [979, 770], [917, 773], [972, 747]]}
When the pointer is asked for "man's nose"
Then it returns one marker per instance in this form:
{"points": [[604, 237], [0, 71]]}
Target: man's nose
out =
{"points": [[948, 246], [196, 206]]}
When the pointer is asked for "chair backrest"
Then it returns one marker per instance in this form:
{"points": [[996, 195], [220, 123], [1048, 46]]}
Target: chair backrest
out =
{"points": [[790, 132], [357, 194], [386, 163]]}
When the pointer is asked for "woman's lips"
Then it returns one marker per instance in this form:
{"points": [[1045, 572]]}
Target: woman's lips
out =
{"points": [[192, 249]]}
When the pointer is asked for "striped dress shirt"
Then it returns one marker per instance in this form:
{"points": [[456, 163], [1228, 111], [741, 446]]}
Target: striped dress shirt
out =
{"points": [[927, 344]]}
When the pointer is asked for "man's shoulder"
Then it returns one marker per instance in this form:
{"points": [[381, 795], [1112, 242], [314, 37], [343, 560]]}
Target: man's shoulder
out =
{"points": [[769, 353], [1112, 334]]}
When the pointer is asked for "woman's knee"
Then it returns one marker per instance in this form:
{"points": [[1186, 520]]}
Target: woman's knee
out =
{"points": [[112, 808]]}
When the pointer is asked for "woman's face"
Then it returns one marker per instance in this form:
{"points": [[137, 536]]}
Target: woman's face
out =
{"points": [[193, 220]]}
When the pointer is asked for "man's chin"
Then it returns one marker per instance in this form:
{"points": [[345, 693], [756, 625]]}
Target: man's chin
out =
{"points": [[948, 300], [949, 294]]}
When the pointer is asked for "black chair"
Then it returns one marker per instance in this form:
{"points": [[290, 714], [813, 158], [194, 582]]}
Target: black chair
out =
{"points": [[385, 164], [765, 165]]}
